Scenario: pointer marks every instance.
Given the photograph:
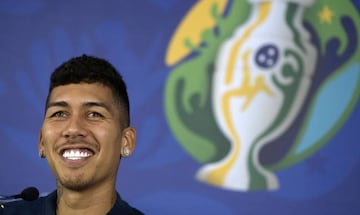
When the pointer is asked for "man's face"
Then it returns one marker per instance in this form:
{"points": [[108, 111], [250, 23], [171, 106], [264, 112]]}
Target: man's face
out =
{"points": [[82, 137]]}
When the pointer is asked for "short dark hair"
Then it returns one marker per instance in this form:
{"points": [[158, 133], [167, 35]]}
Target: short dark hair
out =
{"points": [[90, 69]]}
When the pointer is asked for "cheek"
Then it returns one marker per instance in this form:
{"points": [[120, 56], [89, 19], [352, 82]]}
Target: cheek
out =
{"points": [[111, 142], [49, 136], [113, 145]]}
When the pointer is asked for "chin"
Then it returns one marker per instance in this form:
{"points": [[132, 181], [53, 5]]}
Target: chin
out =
{"points": [[75, 183]]}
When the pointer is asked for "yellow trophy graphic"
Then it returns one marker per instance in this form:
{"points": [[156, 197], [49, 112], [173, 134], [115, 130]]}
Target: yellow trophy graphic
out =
{"points": [[261, 79]]}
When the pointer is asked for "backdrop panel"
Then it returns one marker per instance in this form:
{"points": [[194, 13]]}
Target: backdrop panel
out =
{"points": [[241, 107]]}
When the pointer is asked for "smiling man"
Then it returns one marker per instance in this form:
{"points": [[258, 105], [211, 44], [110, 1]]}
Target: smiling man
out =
{"points": [[85, 133]]}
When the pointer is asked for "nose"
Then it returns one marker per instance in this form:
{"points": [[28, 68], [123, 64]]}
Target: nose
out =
{"points": [[75, 127]]}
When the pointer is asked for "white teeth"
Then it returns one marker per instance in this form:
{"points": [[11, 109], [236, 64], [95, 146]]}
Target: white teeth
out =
{"points": [[76, 154]]}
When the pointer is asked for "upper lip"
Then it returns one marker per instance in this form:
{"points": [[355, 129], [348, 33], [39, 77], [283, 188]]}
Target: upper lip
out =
{"points": [[88, 147]]}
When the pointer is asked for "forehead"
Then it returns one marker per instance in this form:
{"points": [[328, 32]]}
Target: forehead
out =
{"points": [[83, 92]]}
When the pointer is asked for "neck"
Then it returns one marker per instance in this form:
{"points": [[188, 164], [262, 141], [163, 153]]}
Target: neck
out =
{"points": [[87, 202]]}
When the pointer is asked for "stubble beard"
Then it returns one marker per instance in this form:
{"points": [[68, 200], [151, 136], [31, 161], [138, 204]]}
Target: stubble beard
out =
{"points": [[75, 183]]}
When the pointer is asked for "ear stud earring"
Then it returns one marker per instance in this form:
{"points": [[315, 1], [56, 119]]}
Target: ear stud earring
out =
{"points": [[126, 152], [41, 154]]}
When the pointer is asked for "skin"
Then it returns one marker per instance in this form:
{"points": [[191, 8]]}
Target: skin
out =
{"points": [[85, 117]]}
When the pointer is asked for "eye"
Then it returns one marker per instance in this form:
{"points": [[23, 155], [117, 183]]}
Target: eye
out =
{"points": [[58, 114], [95, 115]]}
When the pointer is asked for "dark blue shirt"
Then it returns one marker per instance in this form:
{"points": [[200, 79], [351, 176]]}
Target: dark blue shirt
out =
{"points": [[47, 206]]}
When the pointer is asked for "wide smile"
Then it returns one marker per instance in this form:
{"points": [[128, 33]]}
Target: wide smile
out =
{"points": [[76, 156]]}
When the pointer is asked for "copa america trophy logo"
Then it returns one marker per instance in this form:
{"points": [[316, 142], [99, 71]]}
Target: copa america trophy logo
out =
{"points": [[254, 85]]}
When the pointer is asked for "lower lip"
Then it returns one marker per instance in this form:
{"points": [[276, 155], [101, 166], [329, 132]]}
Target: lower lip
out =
{"points": [[75, 163]]}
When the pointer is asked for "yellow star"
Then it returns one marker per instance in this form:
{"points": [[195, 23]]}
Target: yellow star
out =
{"points": [[325, 15]]}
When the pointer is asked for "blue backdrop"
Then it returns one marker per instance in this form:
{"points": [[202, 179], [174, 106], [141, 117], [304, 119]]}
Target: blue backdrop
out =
{"points": [[38, 35]]}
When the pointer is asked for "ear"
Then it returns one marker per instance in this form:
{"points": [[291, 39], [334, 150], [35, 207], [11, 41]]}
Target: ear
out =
{"points": [[128, 141], [41, 147]]}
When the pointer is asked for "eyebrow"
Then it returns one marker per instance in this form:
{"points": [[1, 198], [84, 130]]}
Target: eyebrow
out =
{"points": [[57, 104], [98, 104], [86, 104]]}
